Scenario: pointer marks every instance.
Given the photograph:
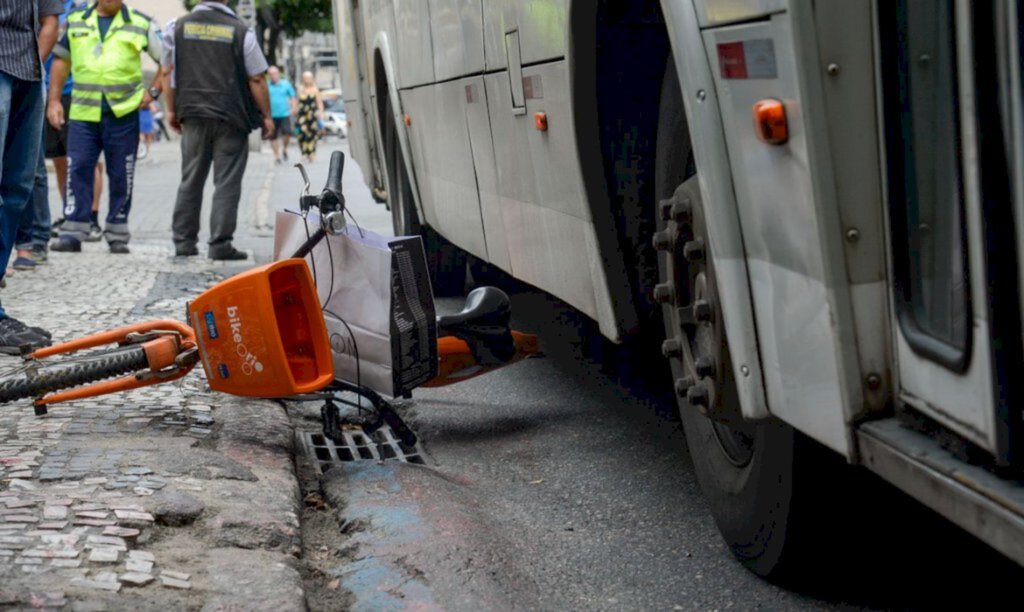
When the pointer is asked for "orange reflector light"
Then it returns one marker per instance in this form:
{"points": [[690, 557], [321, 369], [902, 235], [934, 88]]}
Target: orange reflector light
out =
{"points": [[407, 120], [540, 121], [770, 121]]}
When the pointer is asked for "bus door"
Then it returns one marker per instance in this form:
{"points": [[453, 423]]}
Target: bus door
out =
{"points": [[951, 225]]}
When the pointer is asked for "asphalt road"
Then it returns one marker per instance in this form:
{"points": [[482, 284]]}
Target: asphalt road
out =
{"points": [[584, 467]]}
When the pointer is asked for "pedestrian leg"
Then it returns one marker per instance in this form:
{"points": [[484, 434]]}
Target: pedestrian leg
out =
{"points": [[33, 231], [120, 141], [85, 141], [230, 155], [21, 134], [196, 157]]}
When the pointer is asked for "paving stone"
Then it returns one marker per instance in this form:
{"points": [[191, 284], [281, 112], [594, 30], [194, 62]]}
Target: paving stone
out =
{"points": [[136, 578], [174, 583], [93, 522], [21, 518], [66, 563], [138, 565], [96, 584], [96, 541], [141, 555], [92, 514], [132, 516], [23, 485], [175, 575], [104, 555], [138, 471], [121, 532], [52, 553], [55, 513], [53, 525], [143, 491]]}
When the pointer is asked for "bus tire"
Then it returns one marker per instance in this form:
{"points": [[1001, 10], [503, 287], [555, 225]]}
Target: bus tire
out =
{"points": [[762, 481]]}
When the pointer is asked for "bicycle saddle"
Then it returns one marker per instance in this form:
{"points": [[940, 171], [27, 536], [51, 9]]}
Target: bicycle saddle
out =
{"points": [[483, 324]]}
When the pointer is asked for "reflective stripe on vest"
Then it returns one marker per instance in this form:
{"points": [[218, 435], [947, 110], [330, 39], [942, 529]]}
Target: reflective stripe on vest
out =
{"points": [[111, 68]]}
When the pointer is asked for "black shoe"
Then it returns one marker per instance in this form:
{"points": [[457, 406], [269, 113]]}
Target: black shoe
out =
{"points": [[56, 226], [14, 334], [119, 248], [186, 251], [228, 254], [66, 244]]}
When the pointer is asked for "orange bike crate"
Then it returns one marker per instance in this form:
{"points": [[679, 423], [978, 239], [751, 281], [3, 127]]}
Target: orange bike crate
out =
{"points": [[261, 333]]}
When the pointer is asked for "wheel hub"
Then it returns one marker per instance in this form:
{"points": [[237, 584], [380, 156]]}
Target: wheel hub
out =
{"points": [[696, 344]]}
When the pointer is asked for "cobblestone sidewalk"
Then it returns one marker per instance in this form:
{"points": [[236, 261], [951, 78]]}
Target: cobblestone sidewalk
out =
{"points": [[168, 497]]}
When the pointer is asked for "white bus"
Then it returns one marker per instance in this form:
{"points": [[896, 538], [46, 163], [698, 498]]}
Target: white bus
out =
{"points": [[819, 204]]}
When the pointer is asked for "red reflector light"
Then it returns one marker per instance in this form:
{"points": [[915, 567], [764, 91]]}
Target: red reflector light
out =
{"points": [[540, 121], [770, 123]]}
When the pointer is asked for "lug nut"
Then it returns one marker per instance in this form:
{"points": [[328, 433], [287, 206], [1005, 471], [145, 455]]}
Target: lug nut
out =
{"points": [[683, 385], [697, 395], [702, 311], [694, 250], [662, 240], [671, 348], [664, 292], [705, 367], [680, 210], [665, 207]]}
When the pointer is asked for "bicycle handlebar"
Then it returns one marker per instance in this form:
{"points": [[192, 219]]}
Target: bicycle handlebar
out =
{"points": [[334, 174]]}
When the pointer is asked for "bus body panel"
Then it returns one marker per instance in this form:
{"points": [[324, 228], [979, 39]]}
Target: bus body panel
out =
{"points": [[457, 32], [541, 25], [718, 12], [441, 153], [412, 44]]}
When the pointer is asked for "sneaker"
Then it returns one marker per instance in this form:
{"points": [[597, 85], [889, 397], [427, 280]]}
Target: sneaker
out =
{"points": [[229, 254], [56, 226], [39, 253], [285, 154], [14, 334], [95, 233], [186, 251], [24, 263], [66, 244], [119, 248]]}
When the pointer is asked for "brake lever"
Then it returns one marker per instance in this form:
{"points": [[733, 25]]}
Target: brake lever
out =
{"points": [[306, 201]]}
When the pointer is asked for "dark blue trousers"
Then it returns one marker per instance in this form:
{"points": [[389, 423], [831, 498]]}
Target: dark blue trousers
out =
{"points": [[118, 139]]}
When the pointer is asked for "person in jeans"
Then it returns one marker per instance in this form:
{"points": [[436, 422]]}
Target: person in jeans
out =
{"points": [[103, 48], [28, 30], [33, 233], [217, 94], [284, 104]]}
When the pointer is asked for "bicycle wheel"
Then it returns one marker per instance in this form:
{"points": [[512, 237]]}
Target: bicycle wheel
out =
{"points": [[39, 378]]}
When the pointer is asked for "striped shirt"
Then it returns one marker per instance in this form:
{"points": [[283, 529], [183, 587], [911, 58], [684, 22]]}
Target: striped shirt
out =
{"points": [[19, 23]]}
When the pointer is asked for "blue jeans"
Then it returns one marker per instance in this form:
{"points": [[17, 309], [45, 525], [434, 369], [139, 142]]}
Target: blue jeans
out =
{"points": [[21, 136], [34, 228], [118, 139]]}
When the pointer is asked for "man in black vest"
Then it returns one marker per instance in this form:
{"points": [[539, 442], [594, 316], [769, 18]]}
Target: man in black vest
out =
{"points": [[216, 95]]}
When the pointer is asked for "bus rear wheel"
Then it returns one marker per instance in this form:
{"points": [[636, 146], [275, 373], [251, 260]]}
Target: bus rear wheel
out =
{"points": [[761, 480]]}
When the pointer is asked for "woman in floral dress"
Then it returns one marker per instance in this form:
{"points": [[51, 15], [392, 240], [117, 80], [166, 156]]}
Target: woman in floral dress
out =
{"points": [[310, 116]]}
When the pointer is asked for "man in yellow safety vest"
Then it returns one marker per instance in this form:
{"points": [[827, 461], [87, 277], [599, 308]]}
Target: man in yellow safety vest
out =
{"points": [[102, 48]]}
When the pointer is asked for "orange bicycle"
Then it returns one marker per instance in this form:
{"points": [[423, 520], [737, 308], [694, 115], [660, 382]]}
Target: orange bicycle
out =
{"points": [[264, 336]]}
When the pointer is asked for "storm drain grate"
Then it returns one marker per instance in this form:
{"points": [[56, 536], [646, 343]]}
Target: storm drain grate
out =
{"points": [[356, 445]]}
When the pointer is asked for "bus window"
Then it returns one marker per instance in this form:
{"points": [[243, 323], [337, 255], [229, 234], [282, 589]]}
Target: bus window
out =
{"points": [[925, 188]]}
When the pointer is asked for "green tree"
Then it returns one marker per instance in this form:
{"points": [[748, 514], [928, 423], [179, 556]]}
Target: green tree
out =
{"points": [[289, 17]]}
